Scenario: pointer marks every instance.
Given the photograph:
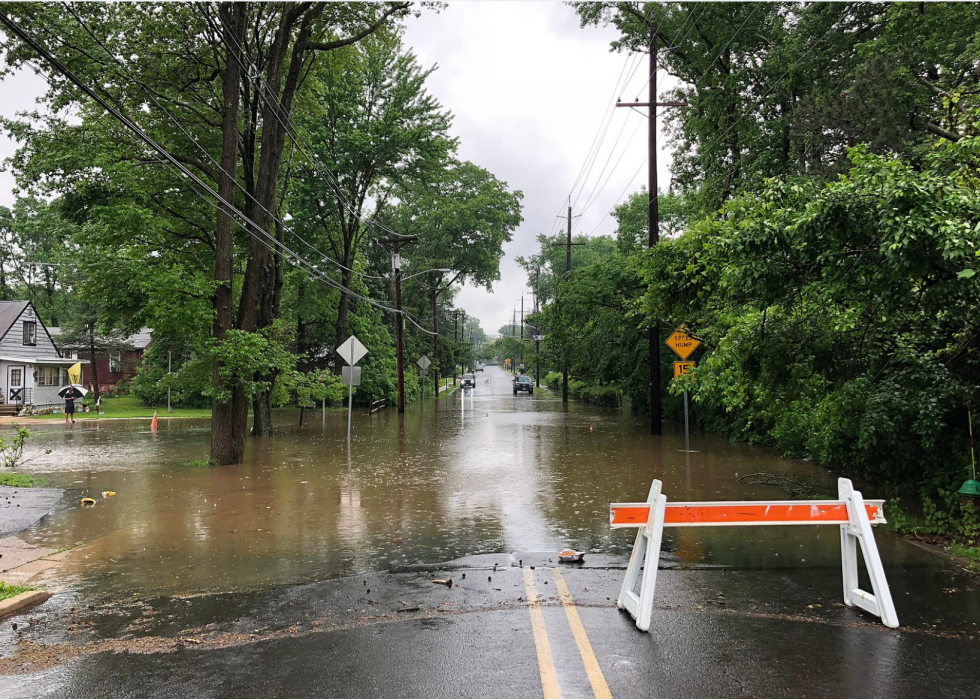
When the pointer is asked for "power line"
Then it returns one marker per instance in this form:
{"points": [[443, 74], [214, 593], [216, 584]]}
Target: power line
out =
{"points": [[594, 197], [711, 62], [756, 103], [597, 141], [128, 74], [175, 164], [272, 101], [744, 113]]}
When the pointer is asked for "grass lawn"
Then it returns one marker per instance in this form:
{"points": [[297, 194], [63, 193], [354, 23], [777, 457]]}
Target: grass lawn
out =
{"points": [[7, 591], [128, 406], [18, 480]]}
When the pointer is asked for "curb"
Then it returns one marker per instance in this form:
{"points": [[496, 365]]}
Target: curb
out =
{"points": [[24, 599]]}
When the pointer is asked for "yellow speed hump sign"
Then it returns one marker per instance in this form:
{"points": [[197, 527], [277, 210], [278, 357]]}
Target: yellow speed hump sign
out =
{"points": [[682, 343], [681, 368]]}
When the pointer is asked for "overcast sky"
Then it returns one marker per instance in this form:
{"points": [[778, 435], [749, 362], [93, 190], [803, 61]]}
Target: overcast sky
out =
{"points": [[529, 91]]}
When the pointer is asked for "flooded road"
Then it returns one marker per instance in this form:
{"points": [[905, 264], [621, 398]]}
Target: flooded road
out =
{"points": [[312, 565], [483, 471]]}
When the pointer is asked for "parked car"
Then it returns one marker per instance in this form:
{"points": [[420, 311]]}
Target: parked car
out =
{"points": [[523, 383], [468, 381]]}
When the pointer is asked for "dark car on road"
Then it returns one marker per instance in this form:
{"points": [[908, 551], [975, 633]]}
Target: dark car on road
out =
{"points": [[468, 381], [523, 383]]}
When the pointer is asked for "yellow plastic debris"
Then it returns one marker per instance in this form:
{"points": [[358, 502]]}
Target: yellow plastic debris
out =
{"points": [[87, 502], [108, 493]]}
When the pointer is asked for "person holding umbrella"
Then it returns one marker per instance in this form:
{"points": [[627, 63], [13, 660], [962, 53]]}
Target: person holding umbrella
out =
{"points": [[71, 393]]}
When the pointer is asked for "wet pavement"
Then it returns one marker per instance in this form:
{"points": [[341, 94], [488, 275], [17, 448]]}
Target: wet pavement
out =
{"points": [[22, 507], [308, 570]]}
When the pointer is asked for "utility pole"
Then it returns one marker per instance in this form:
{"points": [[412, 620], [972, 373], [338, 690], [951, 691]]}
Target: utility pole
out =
{"points": [[436, 290], [435, 342], [537, 334], [396, 263], [653, 213], [513, 333], [568, 273], [455, 339], [522, 331]]}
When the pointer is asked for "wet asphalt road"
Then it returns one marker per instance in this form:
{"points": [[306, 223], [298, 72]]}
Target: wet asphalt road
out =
{"points": [[718, 631], [22, 507]]}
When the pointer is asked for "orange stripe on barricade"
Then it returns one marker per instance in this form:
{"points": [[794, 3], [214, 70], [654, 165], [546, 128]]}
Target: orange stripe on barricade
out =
{"points": [[704, 514]]}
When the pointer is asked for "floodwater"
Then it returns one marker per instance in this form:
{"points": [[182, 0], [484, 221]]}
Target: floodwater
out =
{"points": [[483, 472]]}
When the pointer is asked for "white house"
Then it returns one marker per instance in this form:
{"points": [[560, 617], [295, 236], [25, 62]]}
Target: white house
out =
{"points": [[31, 367]]}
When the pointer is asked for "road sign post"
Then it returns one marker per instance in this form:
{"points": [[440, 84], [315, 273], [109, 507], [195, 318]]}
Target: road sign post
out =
{"points": [[351, 352], [683, 344], [423, 363], [681, 368]]}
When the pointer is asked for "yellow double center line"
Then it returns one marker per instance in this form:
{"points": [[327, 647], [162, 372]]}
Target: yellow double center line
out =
{"points": [[546, 662]]}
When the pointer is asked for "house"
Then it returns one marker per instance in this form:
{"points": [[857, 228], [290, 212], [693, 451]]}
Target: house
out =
{"points": [[31, 367], [115, 360]]}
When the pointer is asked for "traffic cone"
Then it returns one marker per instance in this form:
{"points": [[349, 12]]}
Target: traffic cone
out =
{"points": [[153, 424]]}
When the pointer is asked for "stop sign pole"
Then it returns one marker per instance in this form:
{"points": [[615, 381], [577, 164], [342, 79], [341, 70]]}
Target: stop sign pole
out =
{"points": [[351, 352]]}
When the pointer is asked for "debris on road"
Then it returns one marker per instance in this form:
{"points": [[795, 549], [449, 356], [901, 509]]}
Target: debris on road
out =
{"points": [[447, 582]]}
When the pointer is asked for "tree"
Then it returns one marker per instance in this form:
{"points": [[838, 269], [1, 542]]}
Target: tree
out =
{"points": [[183, 76], [839, 318], [374, 132]]}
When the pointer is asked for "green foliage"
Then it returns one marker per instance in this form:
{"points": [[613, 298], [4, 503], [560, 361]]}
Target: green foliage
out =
{"points": [[18, 480], [969, 552], [12, 448], [8, 591], [838, 323]]}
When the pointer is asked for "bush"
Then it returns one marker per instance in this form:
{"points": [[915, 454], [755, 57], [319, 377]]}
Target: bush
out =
{"points": [[600, 395]]}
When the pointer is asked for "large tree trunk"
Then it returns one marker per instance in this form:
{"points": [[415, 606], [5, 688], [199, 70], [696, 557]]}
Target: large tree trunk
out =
{"points": [[343, 307], [91, 357], [227, 416], [258, 306]]}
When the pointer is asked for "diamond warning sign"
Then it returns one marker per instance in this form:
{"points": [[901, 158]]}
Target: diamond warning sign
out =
{"points": [[682, 342]]}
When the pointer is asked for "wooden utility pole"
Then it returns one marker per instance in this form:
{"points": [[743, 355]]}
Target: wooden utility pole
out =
{"points": [[653, 213], [522, 332], [537, 332], [397, 241], [435, 291], [568, 273]]}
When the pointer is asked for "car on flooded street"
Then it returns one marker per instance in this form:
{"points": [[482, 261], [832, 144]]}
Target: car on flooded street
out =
{"points": [[523, 383], [468, 381]]}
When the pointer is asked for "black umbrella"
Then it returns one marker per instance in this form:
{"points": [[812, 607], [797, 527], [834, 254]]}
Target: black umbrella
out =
{"points": [[72, 392]]}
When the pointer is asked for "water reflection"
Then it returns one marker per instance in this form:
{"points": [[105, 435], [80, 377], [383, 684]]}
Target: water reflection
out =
{"points": [[485, 472]]}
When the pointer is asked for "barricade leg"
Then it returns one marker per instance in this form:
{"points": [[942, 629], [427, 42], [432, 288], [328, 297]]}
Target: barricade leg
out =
{"points": [[645, 557], [858, 533]]}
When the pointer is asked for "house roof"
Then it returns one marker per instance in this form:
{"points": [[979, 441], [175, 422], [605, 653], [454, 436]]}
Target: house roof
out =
{"points": [[138, 340], [9, 312]]}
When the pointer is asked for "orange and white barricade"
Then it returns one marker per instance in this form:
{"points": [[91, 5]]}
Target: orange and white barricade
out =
{"points": [[851, 512]]}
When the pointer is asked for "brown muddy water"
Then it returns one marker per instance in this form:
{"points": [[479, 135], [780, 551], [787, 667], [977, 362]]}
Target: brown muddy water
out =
{"points": [[493, 473]]}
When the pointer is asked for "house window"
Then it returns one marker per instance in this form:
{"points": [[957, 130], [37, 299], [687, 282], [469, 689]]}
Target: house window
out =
{"points": [[48, 376], [30, 332], [16, 378], [115, 362]]}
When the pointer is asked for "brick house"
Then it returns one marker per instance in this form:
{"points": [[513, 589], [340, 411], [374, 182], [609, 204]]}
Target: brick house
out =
{"points": [[112, 365]]}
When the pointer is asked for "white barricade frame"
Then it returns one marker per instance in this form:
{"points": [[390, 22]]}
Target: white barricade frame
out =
{"points": [[851, 512]]}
